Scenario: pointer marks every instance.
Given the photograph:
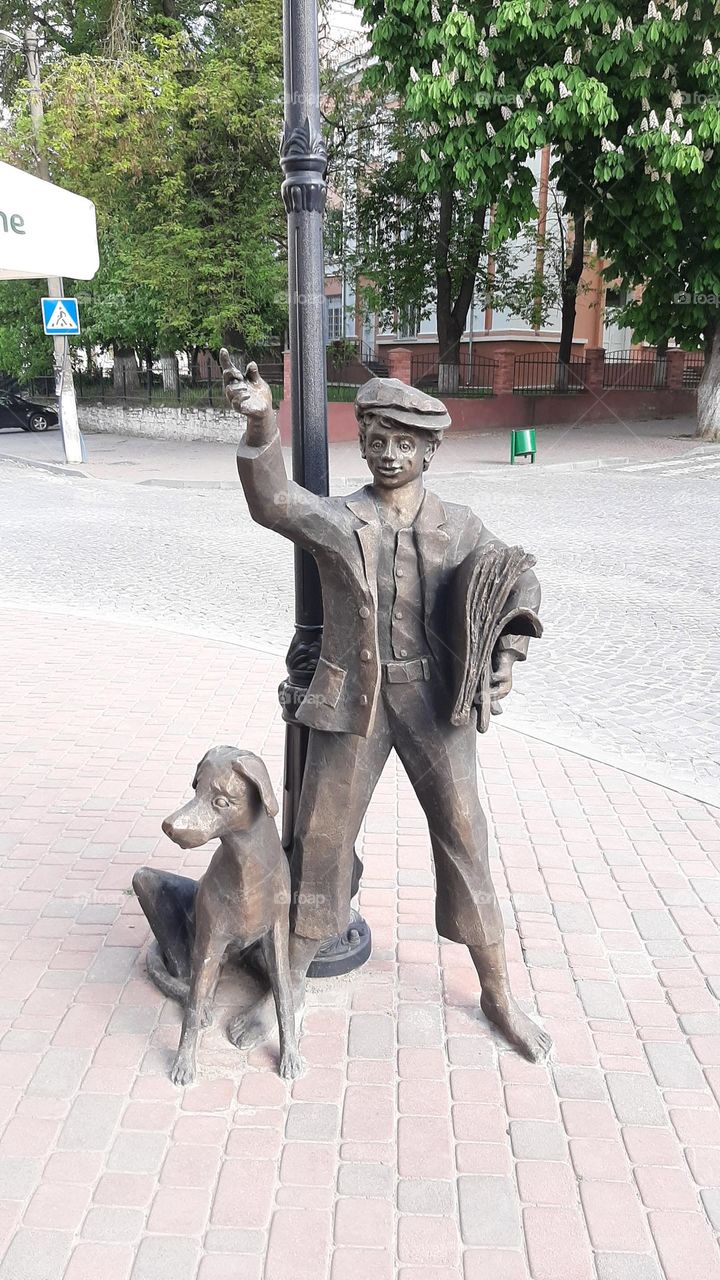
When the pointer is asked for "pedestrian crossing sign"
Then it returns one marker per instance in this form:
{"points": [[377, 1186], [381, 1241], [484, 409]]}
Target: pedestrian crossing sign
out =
{"points": [[61, 318]]}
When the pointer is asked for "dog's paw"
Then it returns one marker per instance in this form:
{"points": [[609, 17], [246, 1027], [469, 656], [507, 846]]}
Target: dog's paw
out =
{"points": [[182, 1072], [291, 1065]]}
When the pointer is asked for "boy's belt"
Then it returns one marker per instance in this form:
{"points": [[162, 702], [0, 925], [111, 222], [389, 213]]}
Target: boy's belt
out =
{"points": [[406, 672]]}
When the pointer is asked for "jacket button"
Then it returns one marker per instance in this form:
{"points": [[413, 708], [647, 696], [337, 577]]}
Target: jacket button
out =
{"points": [[403, 653], [365, 655], [398, 614], [363, 611], [363, 700]]}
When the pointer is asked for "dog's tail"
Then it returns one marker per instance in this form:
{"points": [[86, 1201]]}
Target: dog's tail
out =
{"points": [[176, 988]]}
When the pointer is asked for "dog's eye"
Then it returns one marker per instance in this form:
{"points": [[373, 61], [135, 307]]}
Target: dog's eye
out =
{"points": [[221, 802]]}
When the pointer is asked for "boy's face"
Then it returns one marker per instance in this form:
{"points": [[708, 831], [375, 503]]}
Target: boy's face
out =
{"points": [[396, 455]]}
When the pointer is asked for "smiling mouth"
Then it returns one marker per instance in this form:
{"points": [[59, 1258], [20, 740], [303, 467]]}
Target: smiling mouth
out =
{"points": [[389, 471]]}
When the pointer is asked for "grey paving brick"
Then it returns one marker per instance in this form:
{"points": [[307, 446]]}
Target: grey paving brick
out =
{"points": [[536, 902], [18, 1177], [580, 1082], [98, 913], [60, 1072], [166, 1258], [627, 1266], [537, 1140], [674, 1065], [113, 964], [137, 1152], [113, 1224], [91, 1122], [419, 1026], [711, 1203], [312, 1121], [133, 1020], [489, 1212], [366, 1180], [234, 1240], [602, 1000], [655, 925], [636, 1098], [700, 1024], [372, 1035], [574, 917], [426, 1196], [36, 1255]]}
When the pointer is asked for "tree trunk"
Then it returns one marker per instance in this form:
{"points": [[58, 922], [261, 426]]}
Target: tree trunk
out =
{"points": [[449, 360], [452, 316], [708, 400], [660, 371], [170, 372], [126, 375], [571, 280]]}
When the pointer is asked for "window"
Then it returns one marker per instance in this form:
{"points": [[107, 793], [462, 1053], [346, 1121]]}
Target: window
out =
{"points": [[334, 312]]}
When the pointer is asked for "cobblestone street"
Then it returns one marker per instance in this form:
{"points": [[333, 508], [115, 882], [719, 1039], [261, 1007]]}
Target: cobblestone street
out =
{"points": [[628, 671], [415, 1135]]}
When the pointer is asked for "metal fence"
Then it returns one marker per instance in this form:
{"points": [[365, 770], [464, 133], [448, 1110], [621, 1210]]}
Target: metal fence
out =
{"points": [[542, 374], [475, 375], [693, 370], [640, 370], [145, 388]]}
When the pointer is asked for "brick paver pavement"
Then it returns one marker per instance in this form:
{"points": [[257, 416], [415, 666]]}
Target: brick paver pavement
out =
{"points": [[416, 1145]]}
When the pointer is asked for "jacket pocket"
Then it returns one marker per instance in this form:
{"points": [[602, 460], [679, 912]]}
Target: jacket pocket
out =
{"points": [[327, 683]]}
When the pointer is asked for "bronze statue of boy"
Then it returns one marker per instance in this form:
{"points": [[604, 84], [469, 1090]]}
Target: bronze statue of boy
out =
{"points": [[386, 557]]}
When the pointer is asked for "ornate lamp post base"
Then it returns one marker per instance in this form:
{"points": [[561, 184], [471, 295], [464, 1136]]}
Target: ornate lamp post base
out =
{"points": [[345, 952]]}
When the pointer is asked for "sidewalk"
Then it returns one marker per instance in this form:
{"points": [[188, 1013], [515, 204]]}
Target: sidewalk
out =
{"points": [[414, 1135], [141, 461]]}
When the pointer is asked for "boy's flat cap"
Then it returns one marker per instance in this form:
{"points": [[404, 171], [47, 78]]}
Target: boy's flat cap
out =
{"points": [[402, 404]]}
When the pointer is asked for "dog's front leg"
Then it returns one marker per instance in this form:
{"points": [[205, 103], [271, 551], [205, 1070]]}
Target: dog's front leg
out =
{"points": [[276, 952], [205, 967]]}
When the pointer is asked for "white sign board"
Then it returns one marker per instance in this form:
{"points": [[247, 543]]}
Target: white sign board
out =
{"points": [[44, 230]]}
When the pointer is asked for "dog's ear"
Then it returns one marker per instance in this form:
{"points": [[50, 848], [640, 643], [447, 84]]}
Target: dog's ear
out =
{"points": [[253, 768], [198, 767]]}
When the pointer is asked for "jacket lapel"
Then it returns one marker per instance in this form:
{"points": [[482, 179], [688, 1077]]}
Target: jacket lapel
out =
{"points": [[363, 506]]}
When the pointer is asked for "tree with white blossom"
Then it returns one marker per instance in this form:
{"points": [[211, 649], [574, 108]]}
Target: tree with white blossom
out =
{"points": [[628, 97]]}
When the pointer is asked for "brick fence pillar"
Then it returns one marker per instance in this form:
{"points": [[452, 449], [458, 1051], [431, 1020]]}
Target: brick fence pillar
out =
{"points": [[595, 369], [504, 373], [675, 369], [286, 375], [399, 362]]}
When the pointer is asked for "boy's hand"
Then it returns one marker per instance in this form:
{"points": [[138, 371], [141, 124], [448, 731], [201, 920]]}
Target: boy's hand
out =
{"points": [[250, 395]]}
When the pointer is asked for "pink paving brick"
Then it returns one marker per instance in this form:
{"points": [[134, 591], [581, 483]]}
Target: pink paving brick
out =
{"points": [[351, 1264], [92, 1261], [285, 1261], [546, 1182], [433, 1241], [614, 1217], [686, 1246], [359, 1221], [557, 1244], [244, 1193]]}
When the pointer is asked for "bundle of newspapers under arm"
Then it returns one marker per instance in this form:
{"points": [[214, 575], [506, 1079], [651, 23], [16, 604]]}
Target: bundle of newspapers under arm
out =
{"points": [[483, 612]]}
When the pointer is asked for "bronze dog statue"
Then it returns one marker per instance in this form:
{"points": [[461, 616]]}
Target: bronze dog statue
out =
{"points": [[243, 898]]}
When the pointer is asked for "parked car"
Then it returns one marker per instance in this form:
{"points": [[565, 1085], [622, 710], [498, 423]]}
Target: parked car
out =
{"points": [[16, 411]]}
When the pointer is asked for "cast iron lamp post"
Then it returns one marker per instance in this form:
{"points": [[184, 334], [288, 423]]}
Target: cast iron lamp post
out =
{"points": [[304, 189]]}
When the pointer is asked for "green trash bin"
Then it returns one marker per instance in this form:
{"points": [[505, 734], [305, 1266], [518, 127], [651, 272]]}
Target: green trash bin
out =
{"points": [[522, 443]]}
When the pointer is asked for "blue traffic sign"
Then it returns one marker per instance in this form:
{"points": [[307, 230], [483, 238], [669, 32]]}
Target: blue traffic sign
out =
{"points": [[61, 317]]}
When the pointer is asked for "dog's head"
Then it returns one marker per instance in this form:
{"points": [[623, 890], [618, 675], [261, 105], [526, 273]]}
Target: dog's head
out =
{"points": [[232, 788]]}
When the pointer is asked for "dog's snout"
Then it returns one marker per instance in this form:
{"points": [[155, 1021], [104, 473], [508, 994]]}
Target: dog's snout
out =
{"points": [[168, 827]]}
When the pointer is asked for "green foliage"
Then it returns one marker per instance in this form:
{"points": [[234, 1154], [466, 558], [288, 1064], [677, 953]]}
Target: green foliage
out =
{"points": [[176, 143], [627, 95]]}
